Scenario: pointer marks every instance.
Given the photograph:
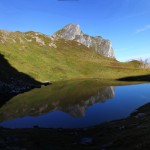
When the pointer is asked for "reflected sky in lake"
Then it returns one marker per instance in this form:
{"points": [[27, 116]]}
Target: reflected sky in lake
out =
{"points": [[73, 105]]}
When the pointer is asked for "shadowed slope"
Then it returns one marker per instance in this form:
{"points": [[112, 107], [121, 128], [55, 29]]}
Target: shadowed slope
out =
{"points": [[12, 81], [145, 78]]}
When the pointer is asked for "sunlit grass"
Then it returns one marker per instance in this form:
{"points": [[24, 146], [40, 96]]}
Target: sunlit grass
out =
{"points": [[68, 61]]}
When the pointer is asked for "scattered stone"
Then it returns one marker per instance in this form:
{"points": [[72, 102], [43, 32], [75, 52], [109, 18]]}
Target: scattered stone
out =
{"points": [[139, 115], [12, 139], [52, 45], [46, 83], [103, 147], [39, 40], [86, 141], [122, 127], [142, 127]]}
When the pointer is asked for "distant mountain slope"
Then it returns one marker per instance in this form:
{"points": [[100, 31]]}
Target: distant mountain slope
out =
{"points": [[45, 58], [97, 43]]}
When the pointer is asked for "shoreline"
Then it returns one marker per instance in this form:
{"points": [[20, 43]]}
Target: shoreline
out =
{"points": [[109, 135]]}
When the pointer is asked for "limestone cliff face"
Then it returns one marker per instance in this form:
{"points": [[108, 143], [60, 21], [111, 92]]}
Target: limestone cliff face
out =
{"points": [[73, 32]]}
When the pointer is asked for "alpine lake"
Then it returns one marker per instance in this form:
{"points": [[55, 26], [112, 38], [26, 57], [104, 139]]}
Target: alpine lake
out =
{"points": [[73, 104]]}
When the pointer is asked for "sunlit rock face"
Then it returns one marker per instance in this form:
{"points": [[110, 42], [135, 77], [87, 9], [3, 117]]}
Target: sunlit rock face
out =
{"points": [[73, 32]]}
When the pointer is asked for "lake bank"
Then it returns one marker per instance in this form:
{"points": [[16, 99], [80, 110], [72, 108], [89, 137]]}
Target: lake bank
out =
{"points": [[111, 135]]}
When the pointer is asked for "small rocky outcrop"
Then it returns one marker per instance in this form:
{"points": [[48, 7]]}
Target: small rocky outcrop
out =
{"points": [[73, 32]]}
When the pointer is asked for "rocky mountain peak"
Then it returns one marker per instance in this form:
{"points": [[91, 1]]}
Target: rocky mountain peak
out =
{"points": [[69, 32], [73, 27], [73, 32]]}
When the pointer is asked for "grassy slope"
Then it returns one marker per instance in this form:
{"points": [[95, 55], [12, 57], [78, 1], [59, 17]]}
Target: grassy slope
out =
{"points": [[69, 60]]}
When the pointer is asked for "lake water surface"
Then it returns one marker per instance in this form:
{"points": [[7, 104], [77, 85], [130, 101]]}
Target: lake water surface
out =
{"points": [[73, 104]]}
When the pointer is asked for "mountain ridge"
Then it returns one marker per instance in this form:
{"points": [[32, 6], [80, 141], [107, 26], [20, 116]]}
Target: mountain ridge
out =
{"points": [[73, 32]]}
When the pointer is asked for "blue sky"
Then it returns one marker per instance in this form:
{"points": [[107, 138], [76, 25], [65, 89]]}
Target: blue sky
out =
{"points": [[125, 22]]}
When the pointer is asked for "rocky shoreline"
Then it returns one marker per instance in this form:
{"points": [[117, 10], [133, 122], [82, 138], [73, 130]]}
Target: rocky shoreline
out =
{"points": [[20, 86], [16, 89]]}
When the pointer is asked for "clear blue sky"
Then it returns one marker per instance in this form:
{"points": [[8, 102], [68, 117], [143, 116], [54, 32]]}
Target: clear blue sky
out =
{"points": [[125, 22]]}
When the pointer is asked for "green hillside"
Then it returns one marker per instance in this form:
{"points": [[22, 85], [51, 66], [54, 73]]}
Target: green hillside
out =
{"points": [[44, 58]]}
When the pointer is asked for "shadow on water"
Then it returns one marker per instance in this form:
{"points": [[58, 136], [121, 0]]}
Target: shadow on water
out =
{"points": [[12, 81], [144, 78]]}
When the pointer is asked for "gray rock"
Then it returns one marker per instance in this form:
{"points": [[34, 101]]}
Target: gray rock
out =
{"points": [[122, 127], [46, 83], [73, 32], [103, 147], [86, 141], [139, 115]]}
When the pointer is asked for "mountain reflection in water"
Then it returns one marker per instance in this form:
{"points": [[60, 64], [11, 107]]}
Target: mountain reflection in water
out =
{"points": [[79, 109], [72, 97]]}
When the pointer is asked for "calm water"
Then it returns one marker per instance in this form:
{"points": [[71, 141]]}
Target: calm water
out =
{"points": [[73, 104]]}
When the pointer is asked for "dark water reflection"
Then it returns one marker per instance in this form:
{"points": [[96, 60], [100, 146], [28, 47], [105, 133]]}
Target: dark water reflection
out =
{"points": [[73, 104]]}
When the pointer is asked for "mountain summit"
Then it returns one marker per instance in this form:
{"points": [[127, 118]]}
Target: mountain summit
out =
{"points": [[73, 32]]}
